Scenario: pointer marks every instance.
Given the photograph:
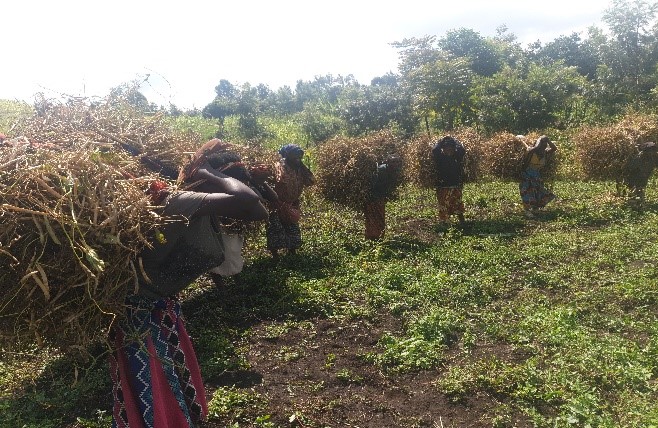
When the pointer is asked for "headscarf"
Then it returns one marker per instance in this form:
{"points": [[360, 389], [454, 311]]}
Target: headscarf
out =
{"points": [[291, 150], [199, 158]]}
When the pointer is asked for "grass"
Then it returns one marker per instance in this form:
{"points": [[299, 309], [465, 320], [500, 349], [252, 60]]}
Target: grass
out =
{"points": [[554, 319]]}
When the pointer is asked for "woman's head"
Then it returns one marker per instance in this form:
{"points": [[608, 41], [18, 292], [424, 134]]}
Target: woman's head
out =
{"points": [[291, 152], [210, 148], [448, 139], [229, 163], [448, 145]]}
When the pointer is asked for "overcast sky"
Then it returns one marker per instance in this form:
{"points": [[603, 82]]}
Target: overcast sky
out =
{"points": [[83, 48]]}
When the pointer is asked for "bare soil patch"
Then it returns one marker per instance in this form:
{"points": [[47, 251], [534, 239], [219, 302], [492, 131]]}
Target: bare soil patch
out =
{"points": [[317, 376]]}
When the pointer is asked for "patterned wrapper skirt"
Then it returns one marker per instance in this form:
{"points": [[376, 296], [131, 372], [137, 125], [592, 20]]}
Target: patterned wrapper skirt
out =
{"points": [[533, 192], [282, 235], [156, 380], [449, 201], [375, 217]]}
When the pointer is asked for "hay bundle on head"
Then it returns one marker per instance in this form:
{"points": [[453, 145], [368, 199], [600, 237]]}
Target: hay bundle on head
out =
{"points": [[640, 127], [346, 167], [502, 155], [419, 164], [75, 215], [603, 151], [72, 227], [111, 124], [472, 141], [420, 168]]}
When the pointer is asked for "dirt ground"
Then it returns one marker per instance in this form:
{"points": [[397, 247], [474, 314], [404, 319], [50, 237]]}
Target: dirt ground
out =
{"points": [[316, 376]]}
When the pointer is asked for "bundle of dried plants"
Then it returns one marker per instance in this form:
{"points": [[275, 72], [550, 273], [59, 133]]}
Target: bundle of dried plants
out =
{"points": [[75, 216], [346, 166], [420, 167], [603, 151], [502, 155]]}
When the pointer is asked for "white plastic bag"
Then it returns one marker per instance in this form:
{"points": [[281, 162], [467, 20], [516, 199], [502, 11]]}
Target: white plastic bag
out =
{"points": [[233, 260]]}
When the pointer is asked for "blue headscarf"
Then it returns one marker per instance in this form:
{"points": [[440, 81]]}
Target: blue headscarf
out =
{"points": [[291, 150]]}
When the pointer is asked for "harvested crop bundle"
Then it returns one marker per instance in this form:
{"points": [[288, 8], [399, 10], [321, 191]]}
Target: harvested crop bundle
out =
{"points": [[110, 125], [502, 156], [472, 142], [346, 167], [603, 151], [75, 215], [419, 164], [71, 227]]}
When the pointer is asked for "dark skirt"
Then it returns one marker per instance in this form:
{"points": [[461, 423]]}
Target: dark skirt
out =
{"points": [[375, 217], [156, 381], [282, 235]]}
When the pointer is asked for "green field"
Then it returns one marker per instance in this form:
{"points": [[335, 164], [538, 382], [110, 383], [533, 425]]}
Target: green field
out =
{"points": [[507, 322]]}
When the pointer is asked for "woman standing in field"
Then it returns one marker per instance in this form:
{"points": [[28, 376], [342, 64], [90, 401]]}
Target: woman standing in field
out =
{"points": [[291, 176], [534, 193], [386, 179], [448, 155], [155, 375]]}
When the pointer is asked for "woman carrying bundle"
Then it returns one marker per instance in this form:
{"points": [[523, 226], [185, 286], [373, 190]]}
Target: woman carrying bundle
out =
{"points": [[534, 193], [291, 176], [448, 155], [384, 183], [155, 374], [229, 162], [638, 170]]}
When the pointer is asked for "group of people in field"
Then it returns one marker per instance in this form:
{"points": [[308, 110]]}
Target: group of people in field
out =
{"points": [[448, 156], [155, 375]]}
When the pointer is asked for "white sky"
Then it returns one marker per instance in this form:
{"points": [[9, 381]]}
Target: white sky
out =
{"points": [[85, 47]]}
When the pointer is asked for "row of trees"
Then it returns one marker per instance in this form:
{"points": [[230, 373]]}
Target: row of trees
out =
{"points": [[465, 79]]}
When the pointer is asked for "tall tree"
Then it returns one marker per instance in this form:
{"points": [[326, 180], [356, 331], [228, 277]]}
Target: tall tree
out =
{"points": [[441, 88], [481, 52], [511, 100], [382, 104], [632, 59], [437, 81], [225, 102], [571, 50]]}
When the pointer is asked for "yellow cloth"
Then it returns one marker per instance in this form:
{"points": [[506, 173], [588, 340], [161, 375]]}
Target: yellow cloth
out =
{"points": [[537, 162]]}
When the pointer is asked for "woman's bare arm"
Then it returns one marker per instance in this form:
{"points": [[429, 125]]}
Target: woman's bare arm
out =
{"points": [[228, 197]]}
